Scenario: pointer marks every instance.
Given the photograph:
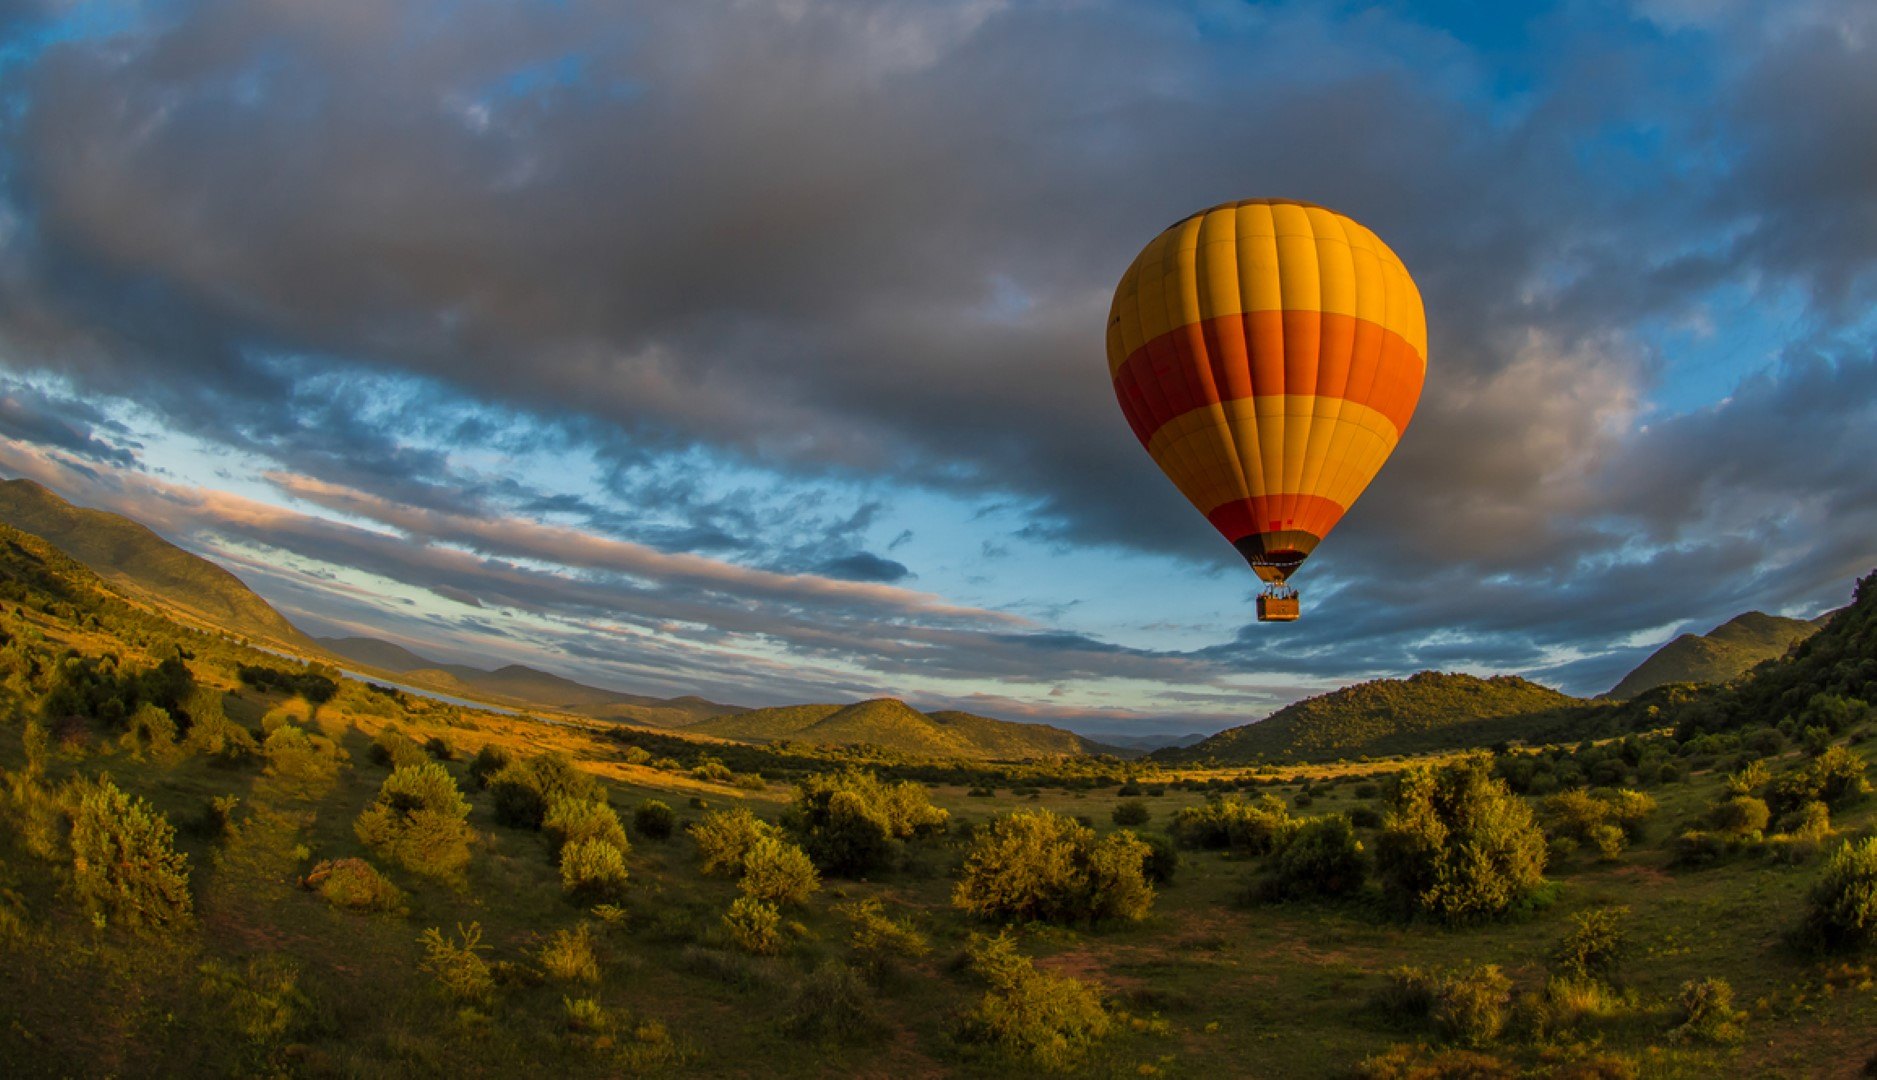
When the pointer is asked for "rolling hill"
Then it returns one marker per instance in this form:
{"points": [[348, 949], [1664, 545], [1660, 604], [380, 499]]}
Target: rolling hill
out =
{"points": [[891, 724], [517, 684], [1728, 652], [128, 554], [1371, 718]]}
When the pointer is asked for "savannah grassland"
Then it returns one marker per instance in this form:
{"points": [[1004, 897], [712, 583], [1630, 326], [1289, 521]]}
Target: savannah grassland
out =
{"points": [[1210, 983]]}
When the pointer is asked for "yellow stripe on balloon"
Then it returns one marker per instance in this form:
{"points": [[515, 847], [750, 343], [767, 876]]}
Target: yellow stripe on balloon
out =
{"points": [[1214, 456]]}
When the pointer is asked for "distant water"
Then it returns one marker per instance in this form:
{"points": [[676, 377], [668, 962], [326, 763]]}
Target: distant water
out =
{"points": [[434, 695]]}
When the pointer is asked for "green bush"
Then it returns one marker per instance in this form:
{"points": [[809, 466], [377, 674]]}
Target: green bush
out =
{"points": [[393, 749], [489, 760], [1593, 948], [724, 836], [1837, 778], [570, 820], [1162, 861], [654, 820], [593, 870], [150, 731], [439, 748], [523, 790], [1742, 816], [1039, 1018], [1843, 902], [569, 956], [1035, 864], [308, 761], [1322, 858], [262, 998], [880, 941], [831, 1004], [1458, 845], [125, 866], [1708, 1014], [1233, 824], [355, 885], [754, 925], [1465, 1006], [1130, 812], [852, 822], [1605, 820], [419, 821], [457, 963], [778, 872]]}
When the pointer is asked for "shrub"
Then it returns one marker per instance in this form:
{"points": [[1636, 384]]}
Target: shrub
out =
{"points": [[1565, 1003], [1742, 816], [1836, 778], [1458, 845], [570, 820], [569, 956], [880, 940], [724, 836], [150, 730], [393, 749], [1035, 864], [353, 884], [457, 965], [851, 822], [1593, 948], [1323, 858], [419, 821], [1131, 812], [210, 730], [755, 926], [125, 866], [1605, 820], [262, 998], [293, 755], [1232, 823], [593, 870], [489, 760], [1043, 1019], [1471, 1006], [654, 820], [522, 790], [1843, 902], [832, 1004], [1162, 861], [778, 872], [1708, 1014]]}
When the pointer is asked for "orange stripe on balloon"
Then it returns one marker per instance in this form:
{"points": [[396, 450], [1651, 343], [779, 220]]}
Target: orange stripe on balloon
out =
{"points": [[1268, 353], [1311, 514]]}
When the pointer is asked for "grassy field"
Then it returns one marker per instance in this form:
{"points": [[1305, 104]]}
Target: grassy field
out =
{"points": [[1213, 984]]}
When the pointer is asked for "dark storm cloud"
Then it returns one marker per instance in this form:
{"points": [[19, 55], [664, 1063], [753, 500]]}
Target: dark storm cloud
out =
{"points": [[875, 241], [49, 420]]}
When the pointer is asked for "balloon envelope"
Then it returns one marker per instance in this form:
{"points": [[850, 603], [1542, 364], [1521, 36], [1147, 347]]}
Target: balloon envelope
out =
{"points": [[1268, 354]]}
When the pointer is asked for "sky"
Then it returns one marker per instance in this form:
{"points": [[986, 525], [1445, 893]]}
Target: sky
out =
{"points": [[755, 348]]}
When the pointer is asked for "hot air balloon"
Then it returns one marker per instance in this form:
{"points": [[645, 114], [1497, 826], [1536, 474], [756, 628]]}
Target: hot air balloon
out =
{"points": [[1268, 354]]}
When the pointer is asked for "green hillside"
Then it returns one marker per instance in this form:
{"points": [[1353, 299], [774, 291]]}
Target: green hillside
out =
{"points": [[129, 554], [1730, 651], [891, 724], [1371, 718]]}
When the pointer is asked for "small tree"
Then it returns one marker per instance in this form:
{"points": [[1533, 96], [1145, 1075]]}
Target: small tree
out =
{"points": [[852, 822], [1708, 1014], [523, 790], [419, 821], [125, 866], [754, 925], [1046, 1020], [723, 837], [1323, 858], [778, 872], [593, 870], [1035, 864], [654, 820], [457, 965], [1457, 845], [1131, 812], [1594, 947], [1843, 902], [571, 819]]}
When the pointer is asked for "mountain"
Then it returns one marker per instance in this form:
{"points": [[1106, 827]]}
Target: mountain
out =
{"points": [[1383, 716], [129, 555], [891, 724], [1728, 652], [517, 684]]}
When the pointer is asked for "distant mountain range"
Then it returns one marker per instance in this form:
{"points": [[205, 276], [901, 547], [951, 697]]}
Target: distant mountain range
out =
{"points": [[891, 724], [1728, 652], [516, 684], [1376, 717], [127, 554]]}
